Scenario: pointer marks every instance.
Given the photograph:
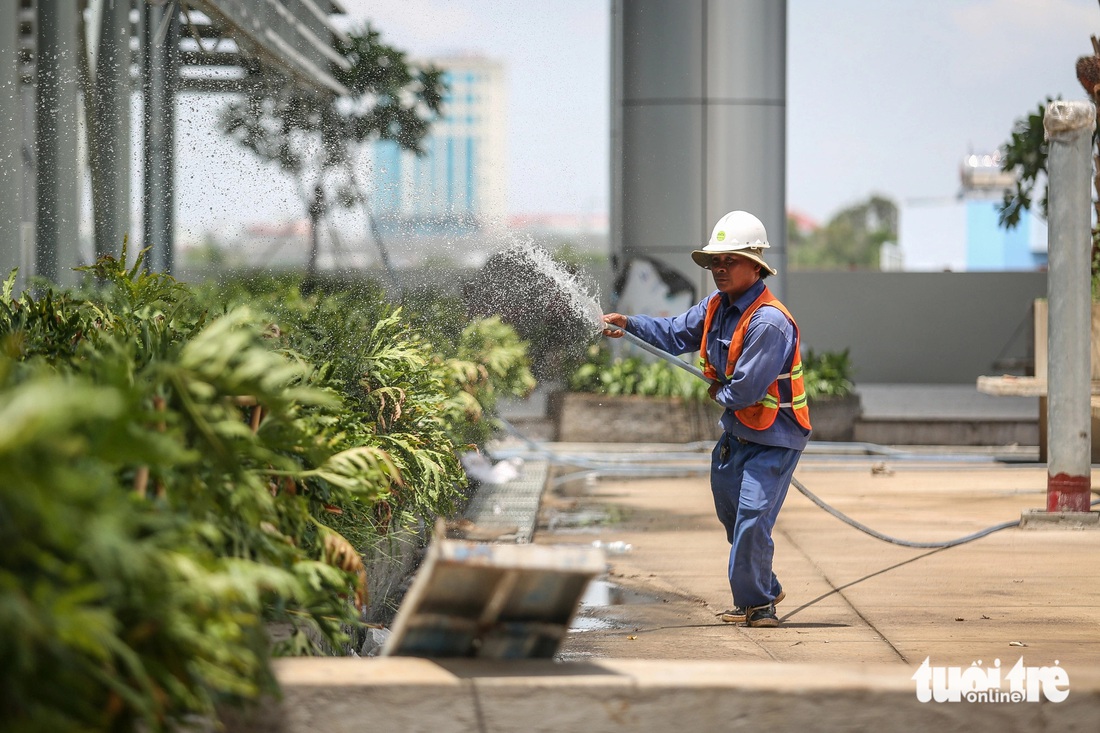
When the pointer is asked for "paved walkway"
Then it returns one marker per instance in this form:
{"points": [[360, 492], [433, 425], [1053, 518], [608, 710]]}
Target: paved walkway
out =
{"points": [[850, 598], [860, 616]]}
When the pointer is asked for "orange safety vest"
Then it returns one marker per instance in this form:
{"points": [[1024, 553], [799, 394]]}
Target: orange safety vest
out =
{"points": [[786, 391]]}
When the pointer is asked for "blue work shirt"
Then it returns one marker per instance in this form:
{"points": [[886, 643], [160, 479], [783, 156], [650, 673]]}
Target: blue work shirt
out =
{"points": [[767, 352]]}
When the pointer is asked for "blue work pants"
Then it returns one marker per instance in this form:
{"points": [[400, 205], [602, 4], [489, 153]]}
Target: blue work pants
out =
{"points": [[749, 482]]}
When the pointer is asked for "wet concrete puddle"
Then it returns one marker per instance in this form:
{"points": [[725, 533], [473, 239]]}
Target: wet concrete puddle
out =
{"points": [[601, 595]]}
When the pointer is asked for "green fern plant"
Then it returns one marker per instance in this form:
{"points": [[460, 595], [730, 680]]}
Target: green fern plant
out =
{"points": [[827, 374], [114, 612], [181, 467]]}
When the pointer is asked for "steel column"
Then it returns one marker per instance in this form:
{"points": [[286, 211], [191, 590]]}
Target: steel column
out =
{"points": [[110, 149], [11, 138], [160, 72], [56, 133]]}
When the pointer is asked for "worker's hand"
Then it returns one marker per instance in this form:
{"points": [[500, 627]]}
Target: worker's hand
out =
{"points": [[614, 319], [712, 390]]}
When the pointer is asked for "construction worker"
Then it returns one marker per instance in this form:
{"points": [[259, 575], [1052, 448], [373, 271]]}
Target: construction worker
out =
{"points": [[750, 349]]}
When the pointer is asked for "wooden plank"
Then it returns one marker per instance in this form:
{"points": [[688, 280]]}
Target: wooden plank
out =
{"points": [[1010, 386]]}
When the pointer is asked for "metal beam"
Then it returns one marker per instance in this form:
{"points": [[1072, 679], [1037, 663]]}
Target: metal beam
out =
{"points": [[211, 85], [286, 34], [214, 58]]}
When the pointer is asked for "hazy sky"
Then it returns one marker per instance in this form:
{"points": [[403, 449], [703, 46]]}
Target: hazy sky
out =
{"points": [[882, 97], [889, 96]]}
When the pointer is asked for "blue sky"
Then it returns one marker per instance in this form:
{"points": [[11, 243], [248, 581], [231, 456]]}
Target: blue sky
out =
{"points": [[883, 97]]}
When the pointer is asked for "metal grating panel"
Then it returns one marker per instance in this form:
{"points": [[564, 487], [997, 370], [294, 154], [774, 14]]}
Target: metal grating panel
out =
{"points": [[514, 504]]}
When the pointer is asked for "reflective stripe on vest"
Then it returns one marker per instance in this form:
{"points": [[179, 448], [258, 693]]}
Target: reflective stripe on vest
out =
{"points": [[762, 415]]}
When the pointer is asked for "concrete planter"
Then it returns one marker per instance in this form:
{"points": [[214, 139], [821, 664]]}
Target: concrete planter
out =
{"points": [[593, 418], [834, 418]]}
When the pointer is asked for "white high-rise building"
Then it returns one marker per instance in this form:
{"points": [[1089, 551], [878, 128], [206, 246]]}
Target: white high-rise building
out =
{"points": [[458, 185]]}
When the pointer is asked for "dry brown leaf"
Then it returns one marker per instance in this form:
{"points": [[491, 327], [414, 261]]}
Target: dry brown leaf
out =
{"points": [[341, 554]]}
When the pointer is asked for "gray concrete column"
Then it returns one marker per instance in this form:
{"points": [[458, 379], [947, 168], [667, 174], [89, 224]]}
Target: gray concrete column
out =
{"points": [[160, 72], [11, 138], [1069, 128], [111, 147], [57, 170], [699, 126]]}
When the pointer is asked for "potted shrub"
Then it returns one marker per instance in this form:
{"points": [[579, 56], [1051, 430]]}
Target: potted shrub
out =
{"points": [[835, 405]]}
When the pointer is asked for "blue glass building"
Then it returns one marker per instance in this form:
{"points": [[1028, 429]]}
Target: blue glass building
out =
{"points": [[457, 185]]}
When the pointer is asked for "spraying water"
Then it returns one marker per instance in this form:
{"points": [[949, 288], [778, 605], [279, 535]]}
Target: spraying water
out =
{"points": [[541, 298], [552, 289], [556, 310]]}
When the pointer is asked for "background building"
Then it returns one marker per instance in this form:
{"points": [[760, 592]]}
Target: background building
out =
{"points": [[989, 246], [457, 186], [962, 233]]}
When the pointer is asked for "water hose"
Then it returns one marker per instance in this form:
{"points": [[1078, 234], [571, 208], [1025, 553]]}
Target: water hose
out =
{"points": [[675, 361], [599, 467]]}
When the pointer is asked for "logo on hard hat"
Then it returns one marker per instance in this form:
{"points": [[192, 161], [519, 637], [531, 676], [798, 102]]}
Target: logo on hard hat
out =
{"points": [[720, 236]]}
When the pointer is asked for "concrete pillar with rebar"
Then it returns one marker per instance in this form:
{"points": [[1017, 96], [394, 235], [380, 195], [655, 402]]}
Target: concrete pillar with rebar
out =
{"points": [[1069, 129]]}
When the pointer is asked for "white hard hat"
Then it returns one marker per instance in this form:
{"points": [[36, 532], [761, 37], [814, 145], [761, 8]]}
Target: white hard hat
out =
{"points": [[739, 233]]}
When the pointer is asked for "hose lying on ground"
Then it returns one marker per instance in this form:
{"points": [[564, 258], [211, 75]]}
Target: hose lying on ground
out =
{"points": [[598, 468]]}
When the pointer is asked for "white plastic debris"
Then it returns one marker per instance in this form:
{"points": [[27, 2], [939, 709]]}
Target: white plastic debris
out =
{"points": [[614, 548], [481, 469]]}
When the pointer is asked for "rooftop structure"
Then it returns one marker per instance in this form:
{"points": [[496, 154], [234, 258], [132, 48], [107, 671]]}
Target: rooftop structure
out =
{"points": [[67, 76]]}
